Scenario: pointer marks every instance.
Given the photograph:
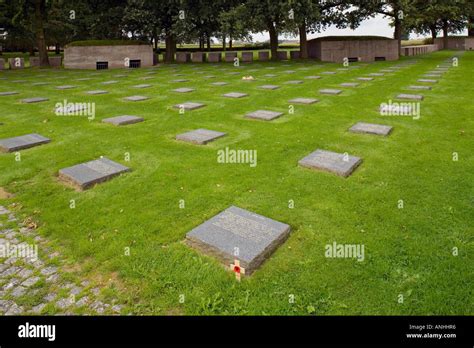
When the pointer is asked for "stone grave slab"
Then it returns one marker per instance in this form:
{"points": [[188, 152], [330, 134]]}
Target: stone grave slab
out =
{"points": [[421, 88], [135, 98], [34, 100], [339, 164], [255, 237], [270, 75], [350, 84], [3, 94], [97, 92], [235, 95], [264, 115], [377, 74], [65, 87], [189, 106], [410, 97], [432, 75], [184, 90], [427, 81], [219, 83], [180, 80], [86, 175], [328, 73], [123, 120], [370, 128], [365, 79], [330, 91], [294, 82], [142, 86], [200, 136], [269, 87], [312, 77], [109, 82], [304, 101], [22, 142]]}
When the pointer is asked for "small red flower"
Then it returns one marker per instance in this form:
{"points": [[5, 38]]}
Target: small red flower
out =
{"points": [[236, 269]]}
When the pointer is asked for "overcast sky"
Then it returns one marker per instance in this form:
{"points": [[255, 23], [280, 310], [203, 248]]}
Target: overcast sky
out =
{"points": [[378, 25]]}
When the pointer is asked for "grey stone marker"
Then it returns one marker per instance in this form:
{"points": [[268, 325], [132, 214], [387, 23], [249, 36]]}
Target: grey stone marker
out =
{"points": [[219, 83], [350, 84], [377, 74], [97, 92], [410, 97], [427, 81], [370, 128], [237, 231], [84, 79], [264, 115], [136, 98], [432, 75], [270, 75], [189, 106], [109, 82], [330, 91], [123, 120], [2, 94], [312, 77], [340, 164], [184, 90], [200, 136], [142, 86], [304, 101], [34, 100], [179, 80], [421, 88], [365, 79], [22, 142], [65, 87], [294, 82], [328, 73], [235, 95], [86, 175], [269, 87]]}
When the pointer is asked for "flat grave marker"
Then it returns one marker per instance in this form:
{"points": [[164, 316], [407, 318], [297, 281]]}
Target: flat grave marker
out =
{"points": [[34, 100], [339, 164], [312, 77], [65, 87], [304, 101], [3, 94], [294, 82], [136, 98], [370, 128], [123, 120], [330, 91], [350, 84], [180, 80], [404, 96], [234, 231], [264, 115], [86, 175], [235, 95], [269, 87], [200, 136], [219, 83], [184, 90], [189, 106], [142, 86], [427, 81], [421, 88], [109, 82], [365, 78], [97, 92], [22, 142]]}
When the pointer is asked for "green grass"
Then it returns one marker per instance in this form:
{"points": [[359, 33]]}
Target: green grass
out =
{"points": [[407, 251]]}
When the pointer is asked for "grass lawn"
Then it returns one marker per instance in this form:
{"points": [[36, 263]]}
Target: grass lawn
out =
{"points": [[408, 251]]}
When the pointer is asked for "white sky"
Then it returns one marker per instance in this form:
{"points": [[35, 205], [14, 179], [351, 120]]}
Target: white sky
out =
{"points": [[378, 25]]}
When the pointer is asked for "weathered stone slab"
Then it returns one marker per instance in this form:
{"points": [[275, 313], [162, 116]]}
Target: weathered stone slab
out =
{"points": [[247, 57], [179, 80], [330, 91], [123, 120], [135, 98], [109, 82], [264, 115], [230, 57], [269, 87], [183, 90], [183, 57], [350, 84], [377, 74], [97, 92], [328, 73], [294, 82], [410, 97], [34, 100], [370, 128], [200, 136], [365, 79], [312, 77], [263, 56], [3, 94], [65, 87], [198, 57], [189, 106], [219, 83], [235, 95], [304, 101], [420, 88], [214, 57], [142, 86], [427, 81], [270, 75], [22, 142], [86, 175], [339, 164], [239, 234]]}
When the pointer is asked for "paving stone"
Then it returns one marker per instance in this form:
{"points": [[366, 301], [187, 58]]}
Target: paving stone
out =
{"points": [[264, 115], [30, 281], [189, 106], [38, 308], [117, 308], [25, 273], [10, 284], [50, 297], [123, 120], [14, 310], [350, 84], [34, 100], [410, 97], [95, 291], [10, 271], [305, 101], [83, 301], [97, 92], [5, 305], [269, 87], [65, 87], [18, 291], [98, 306], [370, 128], [200, 136], [339, 164], [330, 91], [136, 98], [235, 95], [421, 88], [65, 303], [47, 271], [256, 237], [3, 94], [54, 278], [184, 90]]}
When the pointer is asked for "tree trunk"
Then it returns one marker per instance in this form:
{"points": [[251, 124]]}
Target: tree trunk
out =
{"points": [[208, 42], [470, 27], [224, 42], [434, 32], [170, 48], [230, 43], [57, 49], [303, 41], [397, 35], [273, 40], [39, 31], [445, 34]]}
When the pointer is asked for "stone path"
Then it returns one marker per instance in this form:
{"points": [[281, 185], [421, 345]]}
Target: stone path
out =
{"points": [[33, 280]]}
